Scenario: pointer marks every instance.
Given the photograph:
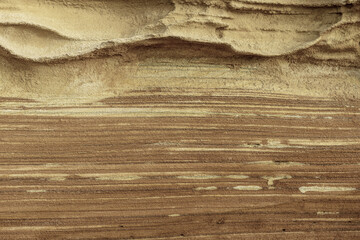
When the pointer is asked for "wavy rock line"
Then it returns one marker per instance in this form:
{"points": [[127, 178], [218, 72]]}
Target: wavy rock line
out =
{"points": [[44, 31]]}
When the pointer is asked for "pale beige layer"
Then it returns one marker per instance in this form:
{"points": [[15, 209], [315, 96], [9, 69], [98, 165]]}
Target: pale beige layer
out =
{"points": [[47, 30]]}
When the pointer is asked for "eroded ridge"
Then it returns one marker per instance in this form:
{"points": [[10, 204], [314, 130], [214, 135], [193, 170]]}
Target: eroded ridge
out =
{"points": [[49, 30]]}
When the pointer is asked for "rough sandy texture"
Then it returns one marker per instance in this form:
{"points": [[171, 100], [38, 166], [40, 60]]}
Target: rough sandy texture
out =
{"points": [[47, 30], [310, 47], [180, 119]]}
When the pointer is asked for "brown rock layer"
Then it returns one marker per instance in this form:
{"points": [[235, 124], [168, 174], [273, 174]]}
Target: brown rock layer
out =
{"points": [[180, 119]]}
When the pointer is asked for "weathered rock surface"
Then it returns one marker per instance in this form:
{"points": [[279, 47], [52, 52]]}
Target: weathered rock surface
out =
{"points": [[81, 48], [180, 119]]}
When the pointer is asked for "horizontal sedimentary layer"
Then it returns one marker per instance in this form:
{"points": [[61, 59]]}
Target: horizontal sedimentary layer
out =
{"points": [[163, 164], [51, 30]]}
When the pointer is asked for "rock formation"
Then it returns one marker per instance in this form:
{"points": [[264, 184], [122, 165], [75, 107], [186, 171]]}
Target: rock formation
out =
{"points": [[180, 119], [97, 48]]}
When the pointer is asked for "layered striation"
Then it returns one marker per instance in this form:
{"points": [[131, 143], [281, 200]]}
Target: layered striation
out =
{"points": [[180, 119]]}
